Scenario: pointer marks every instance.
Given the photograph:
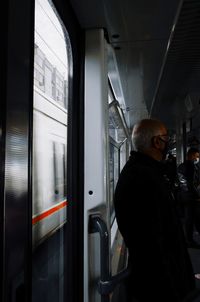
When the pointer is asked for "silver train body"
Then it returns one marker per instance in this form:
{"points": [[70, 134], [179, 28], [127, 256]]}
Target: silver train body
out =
{"points": [[49, 186], [49, 208]]}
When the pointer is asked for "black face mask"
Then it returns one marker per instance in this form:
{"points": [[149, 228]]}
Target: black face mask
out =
{"points": [[165, 150]]}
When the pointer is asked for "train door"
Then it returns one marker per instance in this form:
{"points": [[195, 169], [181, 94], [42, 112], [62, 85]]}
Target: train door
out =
{"points": [[40, 171], [18, 29], [102, 167]]}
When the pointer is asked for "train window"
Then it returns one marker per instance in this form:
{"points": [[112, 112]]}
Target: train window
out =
{"points": [[59, 164], [52, 71], [117, 124], [119, 138], [123, 154], [114, 173]]}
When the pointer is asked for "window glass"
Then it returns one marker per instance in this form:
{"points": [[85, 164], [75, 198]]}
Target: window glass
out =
{"points": [[118, 136], [52, 71], [114, 174]]}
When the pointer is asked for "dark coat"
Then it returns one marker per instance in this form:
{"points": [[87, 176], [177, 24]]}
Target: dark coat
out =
{"points": [[148, 222], [188, 179]]}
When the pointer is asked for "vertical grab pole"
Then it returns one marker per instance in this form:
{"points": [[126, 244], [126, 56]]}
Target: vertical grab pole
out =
{"points": [[97, 225]]}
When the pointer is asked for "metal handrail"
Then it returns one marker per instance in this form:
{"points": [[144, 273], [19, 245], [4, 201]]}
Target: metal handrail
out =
{"points": [[107, 283]]}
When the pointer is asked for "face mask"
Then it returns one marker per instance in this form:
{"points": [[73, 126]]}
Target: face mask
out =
{"points": [[165, 150], [196, 161]]}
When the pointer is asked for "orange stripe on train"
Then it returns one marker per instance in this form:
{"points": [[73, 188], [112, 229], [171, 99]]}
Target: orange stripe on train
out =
{"points": [[49, 212]]}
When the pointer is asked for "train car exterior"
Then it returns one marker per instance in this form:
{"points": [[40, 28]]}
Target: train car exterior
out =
{"points": [[49, 147]]}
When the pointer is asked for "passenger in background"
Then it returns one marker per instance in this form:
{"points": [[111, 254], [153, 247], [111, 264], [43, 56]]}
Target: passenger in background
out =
{"points": [[161, 270], [171, 171], [188, 173]]}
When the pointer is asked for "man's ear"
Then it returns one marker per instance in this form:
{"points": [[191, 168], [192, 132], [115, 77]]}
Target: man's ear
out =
{"points": [[156, 142]]}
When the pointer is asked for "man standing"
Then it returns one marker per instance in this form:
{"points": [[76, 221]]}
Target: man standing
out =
{"points": [[147, 219]]}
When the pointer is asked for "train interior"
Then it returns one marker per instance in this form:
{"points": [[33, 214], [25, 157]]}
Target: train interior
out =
{"points": [[76, 76], [154, 49]]}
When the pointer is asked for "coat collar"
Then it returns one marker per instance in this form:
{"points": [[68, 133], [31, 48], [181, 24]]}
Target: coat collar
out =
{"points": [[147, 160]]}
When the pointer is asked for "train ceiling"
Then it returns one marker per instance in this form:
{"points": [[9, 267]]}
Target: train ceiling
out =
{"points": [[156, 45]]}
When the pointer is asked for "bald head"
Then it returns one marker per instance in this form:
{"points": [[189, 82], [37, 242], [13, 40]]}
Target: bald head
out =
{"points": [[144, 132]]}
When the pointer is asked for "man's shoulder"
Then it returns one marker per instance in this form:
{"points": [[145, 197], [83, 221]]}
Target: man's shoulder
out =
{"points": [[130, 169], [136, 172]]}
